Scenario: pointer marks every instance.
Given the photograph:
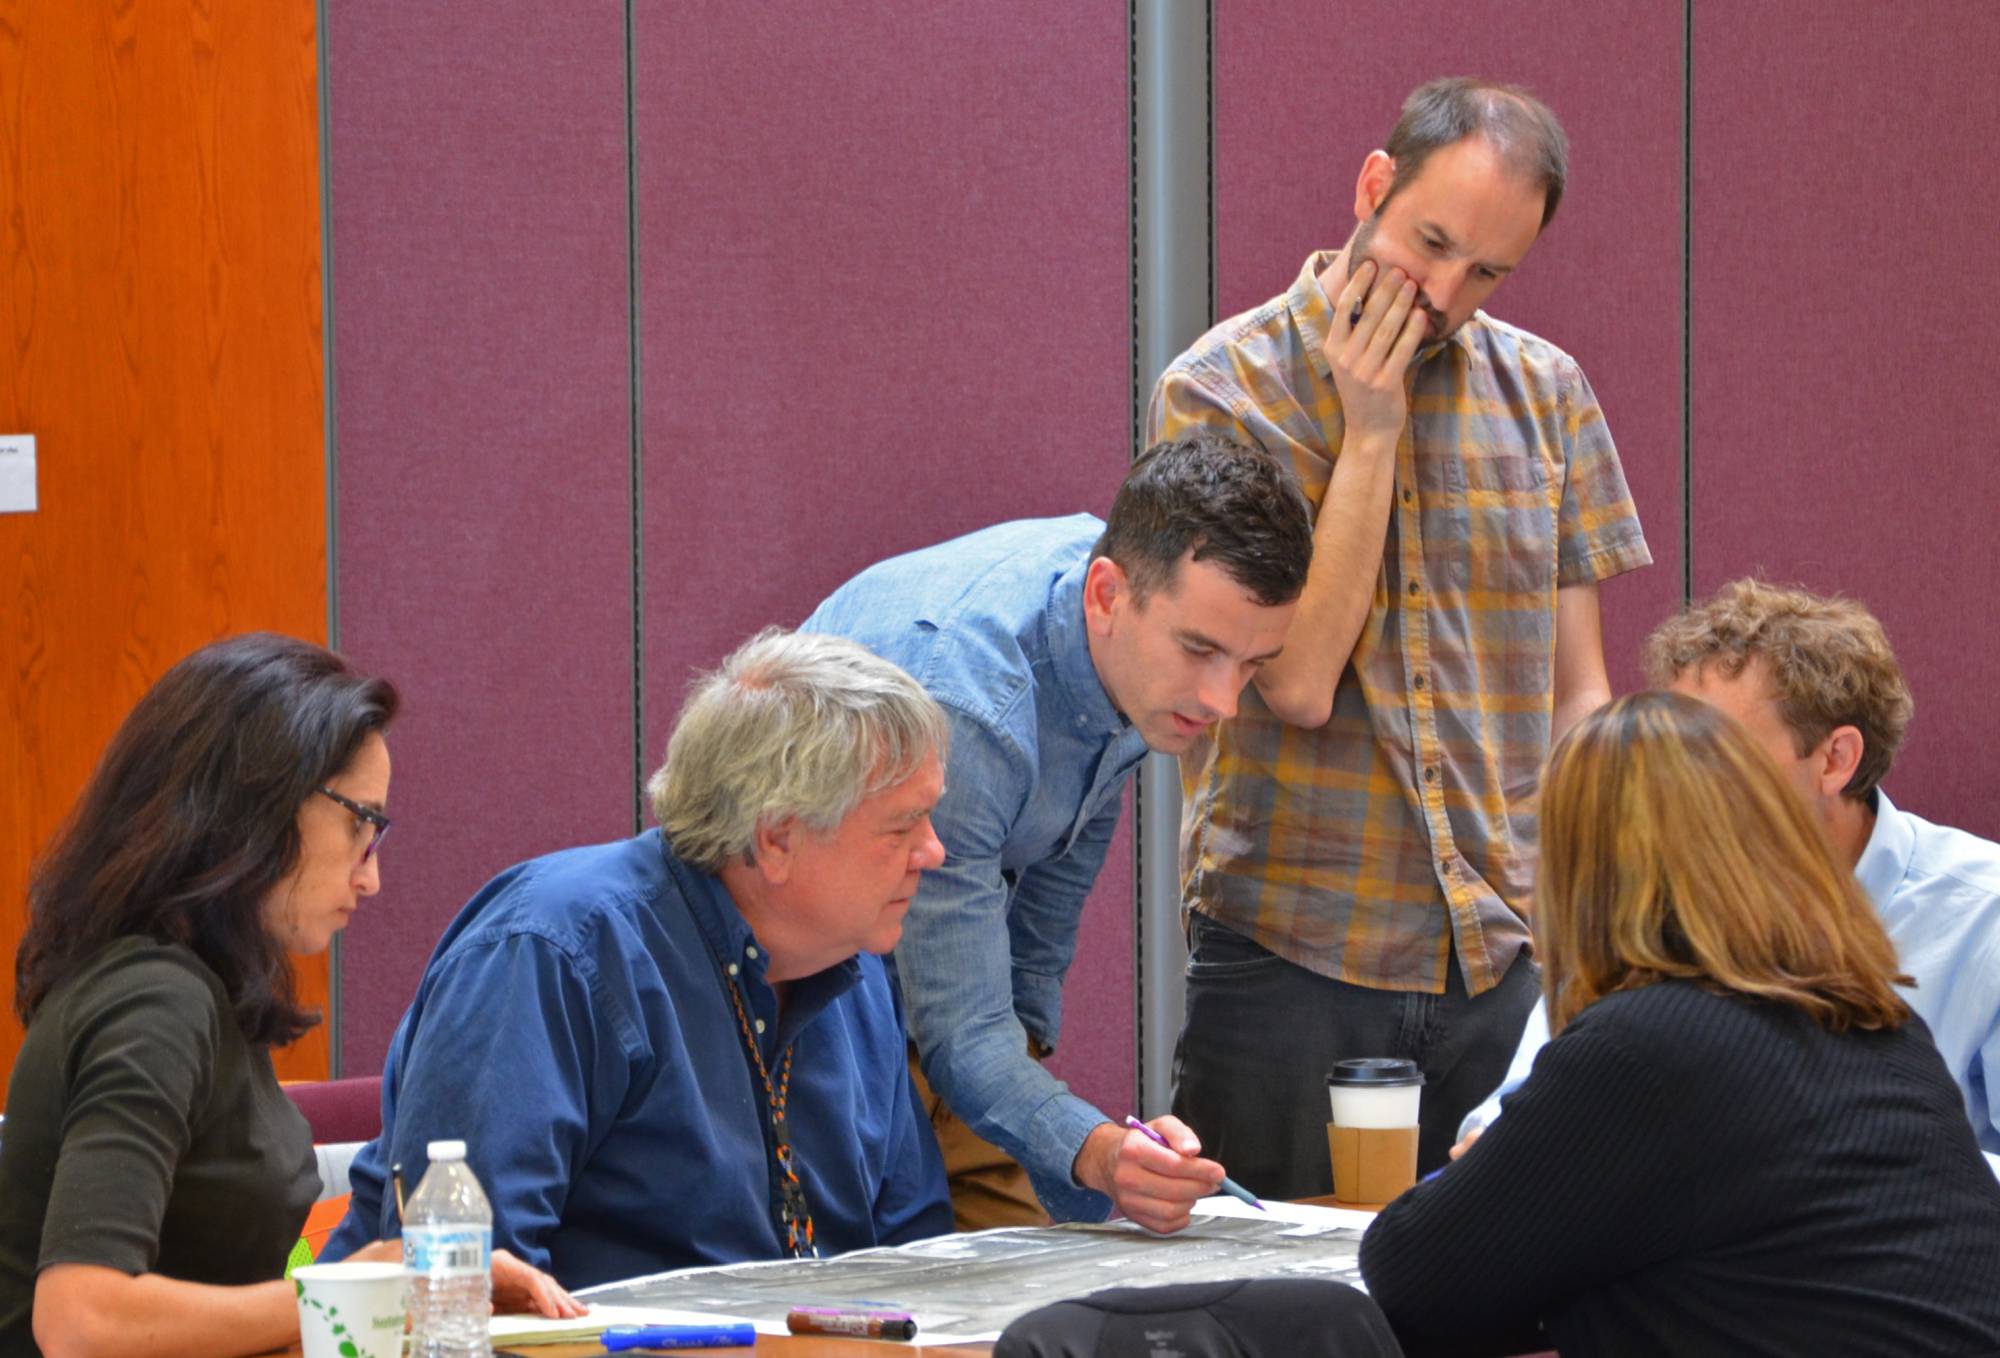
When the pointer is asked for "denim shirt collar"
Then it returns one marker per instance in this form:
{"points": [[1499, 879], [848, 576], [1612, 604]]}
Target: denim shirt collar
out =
{"points": [[732, 941], [1067, 638], [1886, 859]]}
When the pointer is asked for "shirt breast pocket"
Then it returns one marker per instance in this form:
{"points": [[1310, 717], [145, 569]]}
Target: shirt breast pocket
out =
{"points": [[1503, 517]]}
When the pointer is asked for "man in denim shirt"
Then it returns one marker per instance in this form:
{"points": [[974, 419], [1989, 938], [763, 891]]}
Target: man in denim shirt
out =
{"points": [[1062, 650], [683, 1048]]}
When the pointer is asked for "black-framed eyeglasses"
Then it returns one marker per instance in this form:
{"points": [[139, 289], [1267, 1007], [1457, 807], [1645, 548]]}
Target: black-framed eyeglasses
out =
{"points": [[368, 814]]}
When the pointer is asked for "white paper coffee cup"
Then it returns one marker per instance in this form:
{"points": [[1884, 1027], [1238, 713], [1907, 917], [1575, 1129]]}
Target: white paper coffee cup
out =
{"points": [[347, 1310], [1375, 1092]]}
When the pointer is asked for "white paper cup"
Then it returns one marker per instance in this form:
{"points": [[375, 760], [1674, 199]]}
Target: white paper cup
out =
{"points": [[1376, 1092], [352, 1310]]}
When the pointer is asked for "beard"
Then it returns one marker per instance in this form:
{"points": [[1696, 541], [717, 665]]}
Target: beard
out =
{"points": [[1357, 251]]}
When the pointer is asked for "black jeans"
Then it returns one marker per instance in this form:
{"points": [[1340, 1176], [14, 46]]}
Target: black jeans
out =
{"points": [[1261, 1033]]}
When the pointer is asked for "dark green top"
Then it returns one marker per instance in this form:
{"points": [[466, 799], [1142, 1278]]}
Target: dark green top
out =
{"points": [[145, 1133]]}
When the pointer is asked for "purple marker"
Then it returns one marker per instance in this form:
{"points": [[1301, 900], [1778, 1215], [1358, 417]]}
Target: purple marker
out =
{"points": [[863, 1324], [1229, 1185]]}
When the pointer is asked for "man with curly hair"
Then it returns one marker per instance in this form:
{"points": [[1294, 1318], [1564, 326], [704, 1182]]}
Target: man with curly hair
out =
{"points": [[1814, 680]]}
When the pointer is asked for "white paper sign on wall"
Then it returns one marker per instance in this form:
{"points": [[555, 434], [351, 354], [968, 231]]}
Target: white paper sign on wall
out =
{"points": [[17, 473]]}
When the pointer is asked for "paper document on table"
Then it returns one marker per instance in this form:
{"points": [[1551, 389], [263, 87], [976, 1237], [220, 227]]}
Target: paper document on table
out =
{"points": [[1299, 1214], [527, 1331]]}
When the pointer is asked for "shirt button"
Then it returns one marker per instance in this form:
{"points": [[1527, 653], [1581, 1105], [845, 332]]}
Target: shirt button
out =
{"points": [[733, 968], [1418, 682], [1431, 774], [750, 951], [1409, 497], [1413, 587], [760, 1027]]}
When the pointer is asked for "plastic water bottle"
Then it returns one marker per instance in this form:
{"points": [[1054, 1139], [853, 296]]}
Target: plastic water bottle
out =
{"points": [[448, 1248]]}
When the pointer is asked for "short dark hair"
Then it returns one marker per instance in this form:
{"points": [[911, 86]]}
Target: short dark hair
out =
{"points": [[1520, 127], [1206, 495], [191, 819]]}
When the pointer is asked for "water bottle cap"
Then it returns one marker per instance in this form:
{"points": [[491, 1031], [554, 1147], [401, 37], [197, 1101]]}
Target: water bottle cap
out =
{"points": [[447, 1150]]}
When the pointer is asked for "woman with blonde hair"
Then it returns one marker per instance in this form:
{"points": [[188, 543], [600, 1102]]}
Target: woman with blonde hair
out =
{"points": [[1740, 1140]]}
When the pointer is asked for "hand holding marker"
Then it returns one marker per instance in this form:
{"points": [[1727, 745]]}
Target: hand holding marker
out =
{"points": [[1229, 1186]]}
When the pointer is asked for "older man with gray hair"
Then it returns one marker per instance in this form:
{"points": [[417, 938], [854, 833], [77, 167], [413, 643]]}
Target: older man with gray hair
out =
{"points": [[682, 1048]]}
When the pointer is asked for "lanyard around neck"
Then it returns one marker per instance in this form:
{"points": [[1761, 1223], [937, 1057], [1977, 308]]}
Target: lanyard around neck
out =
{"points": [[793, 1214]]}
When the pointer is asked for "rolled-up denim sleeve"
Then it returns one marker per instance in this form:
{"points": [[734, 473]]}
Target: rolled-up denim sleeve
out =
{"points": [[956, 966]]}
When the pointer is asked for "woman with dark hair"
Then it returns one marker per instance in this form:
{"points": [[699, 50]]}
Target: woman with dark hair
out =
{"points": [[153, 1176], [1740, 1140]]}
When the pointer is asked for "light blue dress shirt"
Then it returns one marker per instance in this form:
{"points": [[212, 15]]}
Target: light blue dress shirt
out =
{"points": [[992, 625], [1938, 892]]}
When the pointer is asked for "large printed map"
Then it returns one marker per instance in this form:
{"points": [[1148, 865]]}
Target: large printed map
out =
{"points": [[965, 1288]]}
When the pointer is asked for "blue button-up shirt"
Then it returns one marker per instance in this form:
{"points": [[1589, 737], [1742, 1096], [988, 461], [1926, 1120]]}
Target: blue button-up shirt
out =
{"points": [[573, 1029], [992, 625], [1938, 892]]}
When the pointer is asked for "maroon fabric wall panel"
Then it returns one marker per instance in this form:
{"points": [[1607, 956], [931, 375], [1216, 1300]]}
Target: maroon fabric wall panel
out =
{"points": [[1844, 393], [479, 256], [885, 300], [1304, 92]]}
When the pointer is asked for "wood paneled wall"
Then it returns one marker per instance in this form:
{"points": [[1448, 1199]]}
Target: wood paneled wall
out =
{"points": [[160, 332]]}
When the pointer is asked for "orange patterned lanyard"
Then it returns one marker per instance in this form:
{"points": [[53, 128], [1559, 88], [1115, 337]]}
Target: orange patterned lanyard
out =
{"points": [[792, 1210]]}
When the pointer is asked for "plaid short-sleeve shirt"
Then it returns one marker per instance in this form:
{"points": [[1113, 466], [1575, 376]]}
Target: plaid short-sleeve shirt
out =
{"points": [[1404, 829]]}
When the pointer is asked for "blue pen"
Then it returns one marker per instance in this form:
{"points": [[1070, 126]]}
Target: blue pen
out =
{"points": [[1229, 1185], [679, 1337]]}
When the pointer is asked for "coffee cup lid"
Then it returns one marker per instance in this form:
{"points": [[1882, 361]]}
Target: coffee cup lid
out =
{"points": [[1374, 1072]]}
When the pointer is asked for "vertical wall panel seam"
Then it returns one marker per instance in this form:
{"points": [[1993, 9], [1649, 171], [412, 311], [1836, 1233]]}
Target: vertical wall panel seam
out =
{"points": [[1133, 426], [331, 454], [1687, 302], [637, 432], [1132, 238], [1208, 156]]}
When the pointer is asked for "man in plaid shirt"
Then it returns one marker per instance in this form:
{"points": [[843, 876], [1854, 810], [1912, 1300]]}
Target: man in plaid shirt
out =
{"points": [[1358, 842]]}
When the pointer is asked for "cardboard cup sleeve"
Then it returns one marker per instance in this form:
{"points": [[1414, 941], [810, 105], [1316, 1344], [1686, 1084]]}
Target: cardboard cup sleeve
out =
{"points": [[1372, 1164]]}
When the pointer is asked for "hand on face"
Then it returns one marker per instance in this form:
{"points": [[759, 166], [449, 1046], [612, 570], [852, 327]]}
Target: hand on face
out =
{"points": [[1424, 257], [1378, 325]]}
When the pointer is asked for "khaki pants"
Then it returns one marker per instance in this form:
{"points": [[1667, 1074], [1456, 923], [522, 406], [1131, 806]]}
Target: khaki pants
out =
{"points": [[988, 1188]]}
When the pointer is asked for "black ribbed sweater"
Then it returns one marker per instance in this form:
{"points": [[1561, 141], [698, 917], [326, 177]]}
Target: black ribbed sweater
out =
{"points": [[1686, 1173]]}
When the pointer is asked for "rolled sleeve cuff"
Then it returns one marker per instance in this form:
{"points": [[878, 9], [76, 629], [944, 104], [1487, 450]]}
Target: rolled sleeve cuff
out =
{"points": [[1055, 1137], [1603, 563]]}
